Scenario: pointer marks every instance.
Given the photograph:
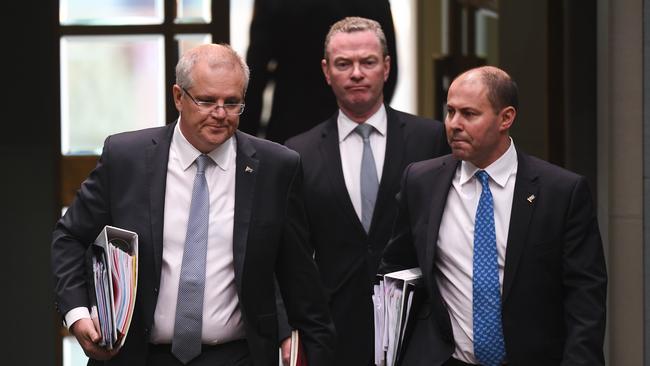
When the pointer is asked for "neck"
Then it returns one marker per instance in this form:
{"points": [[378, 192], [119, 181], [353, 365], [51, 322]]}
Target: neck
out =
{"points": [[360, 116], [498, 152]]}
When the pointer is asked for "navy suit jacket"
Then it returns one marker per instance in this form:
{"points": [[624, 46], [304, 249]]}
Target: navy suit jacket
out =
{"points": [[555, 281], [127, 190], [347, 256]]}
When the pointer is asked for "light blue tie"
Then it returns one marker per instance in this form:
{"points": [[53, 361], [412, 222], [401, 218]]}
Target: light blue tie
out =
{"points": [[489, 348], [369, 180], [186, 342]]}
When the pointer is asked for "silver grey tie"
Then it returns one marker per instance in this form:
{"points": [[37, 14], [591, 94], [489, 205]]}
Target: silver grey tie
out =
{"points": [[186, 342], [369, 180]]}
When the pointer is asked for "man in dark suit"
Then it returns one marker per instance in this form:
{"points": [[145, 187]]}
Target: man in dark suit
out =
{"points": [[508, 244], [349, 227], [286, 38], [254, 231]]}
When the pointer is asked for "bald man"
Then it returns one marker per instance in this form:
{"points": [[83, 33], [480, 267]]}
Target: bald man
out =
{"points": [[508, 244], [151, 182]]}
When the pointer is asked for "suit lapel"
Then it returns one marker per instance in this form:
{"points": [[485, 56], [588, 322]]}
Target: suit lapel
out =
{"points": [[157, 157], [440, 181], [393, 163], [245, 177], [331, 158], [523, 204]]}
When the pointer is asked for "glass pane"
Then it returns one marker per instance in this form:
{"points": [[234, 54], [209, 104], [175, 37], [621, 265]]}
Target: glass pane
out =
{"points": [[109, 84], [110, 12], [73, 354], [241, 14], [193, 11], [487, 36], [404, 17], [188, 41]]}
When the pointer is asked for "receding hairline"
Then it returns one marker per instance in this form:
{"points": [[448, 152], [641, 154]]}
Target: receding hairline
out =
{"points": [[500, 88]]}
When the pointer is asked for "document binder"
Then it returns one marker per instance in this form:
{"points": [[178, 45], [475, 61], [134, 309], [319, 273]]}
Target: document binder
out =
{"points": [[297, 353], [113, 260], [395, 297]]}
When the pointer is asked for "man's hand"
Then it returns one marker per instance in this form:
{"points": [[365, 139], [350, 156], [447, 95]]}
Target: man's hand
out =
{"points": [[88, 338], [285, 350]]}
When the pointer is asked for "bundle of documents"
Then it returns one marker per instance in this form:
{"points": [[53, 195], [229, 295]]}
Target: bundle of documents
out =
{"points": [[393, 301], [114, 263]]}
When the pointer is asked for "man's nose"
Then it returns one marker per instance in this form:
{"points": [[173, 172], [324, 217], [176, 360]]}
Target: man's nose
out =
{"points": [[218, 111], [357, 73]]}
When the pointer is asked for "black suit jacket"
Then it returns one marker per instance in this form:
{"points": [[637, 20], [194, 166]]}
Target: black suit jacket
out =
{"points": [[555, 281], [346, 256], [127, 189], [290, 35]]}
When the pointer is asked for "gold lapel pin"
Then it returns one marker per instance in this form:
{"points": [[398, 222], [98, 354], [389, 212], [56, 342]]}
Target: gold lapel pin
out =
{"points": [[248, 169], [531, 198]]}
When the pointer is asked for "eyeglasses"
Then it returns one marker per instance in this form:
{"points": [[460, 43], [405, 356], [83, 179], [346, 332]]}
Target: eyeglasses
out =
{"points": [[232, 109]]}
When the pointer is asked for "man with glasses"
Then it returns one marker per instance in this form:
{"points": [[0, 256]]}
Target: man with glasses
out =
{"points": [[219, 218], [352, 164]]}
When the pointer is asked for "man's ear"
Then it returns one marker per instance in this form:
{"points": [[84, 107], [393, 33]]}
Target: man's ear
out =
{"points": [[177, 92], [507, 117], [386, 67], [326, 71]]}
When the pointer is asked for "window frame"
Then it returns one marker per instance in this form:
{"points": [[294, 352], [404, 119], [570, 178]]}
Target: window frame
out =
{"points": [[74, 169]]}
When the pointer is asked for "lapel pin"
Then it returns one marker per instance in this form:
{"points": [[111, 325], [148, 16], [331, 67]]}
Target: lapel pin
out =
{"points": [[531, 198], [248, 169]]}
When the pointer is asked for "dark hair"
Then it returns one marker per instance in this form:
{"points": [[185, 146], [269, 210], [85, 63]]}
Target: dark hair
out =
{"points": [[502, 90]]}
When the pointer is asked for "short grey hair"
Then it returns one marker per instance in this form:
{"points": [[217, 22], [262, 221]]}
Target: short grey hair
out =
{"points": [[357, 24], [214, 55]]}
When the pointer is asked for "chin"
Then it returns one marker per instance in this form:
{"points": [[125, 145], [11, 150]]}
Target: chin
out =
{"points": [[459, 154]]}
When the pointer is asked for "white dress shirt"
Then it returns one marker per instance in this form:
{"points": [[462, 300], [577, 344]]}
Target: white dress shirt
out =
{"points": [[351, 149], [222, 321], [456, 241]]}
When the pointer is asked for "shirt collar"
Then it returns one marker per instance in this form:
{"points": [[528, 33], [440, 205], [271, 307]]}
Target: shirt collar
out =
{"points": [[346, 125], [187, 153], [500, 170]]}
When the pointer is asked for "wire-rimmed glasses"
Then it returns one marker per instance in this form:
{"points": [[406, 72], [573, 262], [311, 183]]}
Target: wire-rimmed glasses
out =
{"points": [[232, 109]]}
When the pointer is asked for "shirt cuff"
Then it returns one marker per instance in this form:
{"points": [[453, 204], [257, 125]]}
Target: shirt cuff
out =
{"points": [[76, 314]]}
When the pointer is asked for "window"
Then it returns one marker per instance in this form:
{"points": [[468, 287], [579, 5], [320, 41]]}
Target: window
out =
{"points": [[117, 61]]}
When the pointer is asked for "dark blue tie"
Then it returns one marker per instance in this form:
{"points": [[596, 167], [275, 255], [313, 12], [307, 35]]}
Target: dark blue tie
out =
{"points": [[186, 341], [489, 347]]}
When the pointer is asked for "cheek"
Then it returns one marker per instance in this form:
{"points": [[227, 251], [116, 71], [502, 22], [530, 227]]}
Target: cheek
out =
{"points": [[234, 123]]}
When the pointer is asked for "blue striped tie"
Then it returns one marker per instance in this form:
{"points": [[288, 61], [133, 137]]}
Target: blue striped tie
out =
{"points": [[489, 347], [186, 342]]}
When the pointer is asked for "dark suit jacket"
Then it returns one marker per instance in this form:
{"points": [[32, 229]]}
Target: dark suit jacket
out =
{"points": [[127, 189], [290, 34], [346, 256], [555, 282]]}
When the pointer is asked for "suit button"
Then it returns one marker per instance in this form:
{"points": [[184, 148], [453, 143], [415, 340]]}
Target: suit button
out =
{"points": [[146, 331], [155, 290]]}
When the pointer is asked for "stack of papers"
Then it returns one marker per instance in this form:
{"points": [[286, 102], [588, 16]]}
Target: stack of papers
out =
{"points": [[297, 353], [114, 260], [393, 300]]}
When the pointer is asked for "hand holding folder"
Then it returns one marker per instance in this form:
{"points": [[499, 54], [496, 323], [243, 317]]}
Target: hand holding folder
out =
{"points": [[394, 300], [114, 278]]}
